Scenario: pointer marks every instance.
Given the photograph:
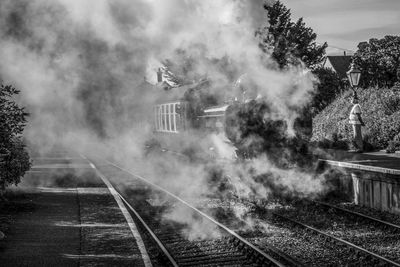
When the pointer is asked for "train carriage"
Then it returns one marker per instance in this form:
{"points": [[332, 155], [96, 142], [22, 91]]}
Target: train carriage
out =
{"points": [[184, 125]]}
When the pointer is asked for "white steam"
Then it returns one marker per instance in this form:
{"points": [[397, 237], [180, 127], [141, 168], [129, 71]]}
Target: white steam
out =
{"points": [[81, 66]]}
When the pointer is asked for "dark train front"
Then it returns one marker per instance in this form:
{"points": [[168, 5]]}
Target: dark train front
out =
{"points": [[200, 122]]}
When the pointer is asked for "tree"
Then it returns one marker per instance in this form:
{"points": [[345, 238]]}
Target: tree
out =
{"points": [[379, 61], [14, 159], [290, 42], [327, 89]]}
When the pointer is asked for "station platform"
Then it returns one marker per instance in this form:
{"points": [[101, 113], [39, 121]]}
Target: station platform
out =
{"points": [[65, 215], [370, 179], [380, 162]]}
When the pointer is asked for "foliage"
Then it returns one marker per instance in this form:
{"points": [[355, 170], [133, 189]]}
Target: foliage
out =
{"points": [[382, 119], [14, 160], [379, 61], [390, 100], [290, 42], [391, 148], [395, 142], [327, 89]]}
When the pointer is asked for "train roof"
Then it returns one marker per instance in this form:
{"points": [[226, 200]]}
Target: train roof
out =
{"points": [[214, 112], [216, 109], [175, 93]]}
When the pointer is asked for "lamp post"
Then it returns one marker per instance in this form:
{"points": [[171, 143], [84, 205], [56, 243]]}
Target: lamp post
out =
{"points": [[355, 119], [354, 75]]}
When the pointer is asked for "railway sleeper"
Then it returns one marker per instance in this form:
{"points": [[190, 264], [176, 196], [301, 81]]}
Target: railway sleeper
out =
{"points": [[207, 249], [216, 262], [214, 255]]}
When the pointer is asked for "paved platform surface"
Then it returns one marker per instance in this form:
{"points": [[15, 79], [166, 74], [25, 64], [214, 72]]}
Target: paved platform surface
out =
{"points": [[69, 218], [371, 161]]}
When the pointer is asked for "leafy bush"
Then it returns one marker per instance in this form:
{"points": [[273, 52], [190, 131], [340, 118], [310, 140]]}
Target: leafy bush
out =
{"points": [[391, 148], [396, 139], [390, 100], [381, 114], [14, 159], [394, 145]]}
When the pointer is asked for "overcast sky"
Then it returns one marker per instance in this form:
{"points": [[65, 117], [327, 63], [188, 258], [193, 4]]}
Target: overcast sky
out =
{"points": [[345, 23]]}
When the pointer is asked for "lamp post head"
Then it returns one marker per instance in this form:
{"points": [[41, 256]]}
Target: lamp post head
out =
{"points": [[353, 75]]}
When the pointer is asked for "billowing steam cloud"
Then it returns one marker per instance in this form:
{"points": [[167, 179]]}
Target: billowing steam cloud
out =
{"points": [[81, 64], [81, 67]]}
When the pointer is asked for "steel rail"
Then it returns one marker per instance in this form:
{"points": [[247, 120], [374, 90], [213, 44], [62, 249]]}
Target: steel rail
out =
{"points": [[280, 253], [159, 243], [231, 232], [338, 239], [359, 214]]}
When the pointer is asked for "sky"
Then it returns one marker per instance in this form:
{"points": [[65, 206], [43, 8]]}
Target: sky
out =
{"points": [[345, 23]]}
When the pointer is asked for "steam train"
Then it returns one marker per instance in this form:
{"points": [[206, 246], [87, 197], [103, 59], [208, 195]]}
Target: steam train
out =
{"points": [[190, 120], [197, 122]]}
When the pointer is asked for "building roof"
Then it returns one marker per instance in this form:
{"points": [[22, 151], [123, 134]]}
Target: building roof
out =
{"points": [[339, 64]]}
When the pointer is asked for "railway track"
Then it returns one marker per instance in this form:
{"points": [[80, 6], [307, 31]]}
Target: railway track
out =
{"points": [[309, 247], [371, 258], [364, 216], [223, 248], [373, 238], [230, 249]]}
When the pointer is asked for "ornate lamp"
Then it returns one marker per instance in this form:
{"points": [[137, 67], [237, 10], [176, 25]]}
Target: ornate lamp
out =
{"points": [[353, 75]]}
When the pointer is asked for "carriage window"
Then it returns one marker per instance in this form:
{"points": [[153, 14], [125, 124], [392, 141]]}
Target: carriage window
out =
{"points": [[177, 117], [170, 119], [167, 118], [159, 118], [167, 122], [162, 117], [156, 117], [173, 113]]}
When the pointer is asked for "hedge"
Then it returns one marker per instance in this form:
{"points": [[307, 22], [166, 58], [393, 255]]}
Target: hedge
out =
{"points": [[381, 114]]}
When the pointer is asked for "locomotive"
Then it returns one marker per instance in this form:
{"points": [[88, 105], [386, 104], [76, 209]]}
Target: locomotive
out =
{"points": [[200, 122]]}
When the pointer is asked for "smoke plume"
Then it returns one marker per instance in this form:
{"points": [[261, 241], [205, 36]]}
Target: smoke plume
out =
{"points": [[83, 68]]}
